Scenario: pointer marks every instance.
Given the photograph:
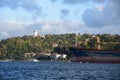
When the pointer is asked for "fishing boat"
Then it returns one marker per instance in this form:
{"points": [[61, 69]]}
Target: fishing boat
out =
{"points": [[95, 55]]}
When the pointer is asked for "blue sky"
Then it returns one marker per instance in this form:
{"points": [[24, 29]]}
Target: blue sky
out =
{"points": [[21, 17]]}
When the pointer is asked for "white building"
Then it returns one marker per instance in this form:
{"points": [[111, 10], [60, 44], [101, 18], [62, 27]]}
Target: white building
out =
{"points": [[35, 33], [54, 45], [63, 56], [56, 56]]}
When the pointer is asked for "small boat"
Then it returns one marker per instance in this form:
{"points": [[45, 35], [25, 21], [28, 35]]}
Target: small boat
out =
{"points": [[35, 60]]}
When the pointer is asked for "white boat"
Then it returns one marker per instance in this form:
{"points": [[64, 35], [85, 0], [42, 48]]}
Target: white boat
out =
{"points": [[35, 60]]}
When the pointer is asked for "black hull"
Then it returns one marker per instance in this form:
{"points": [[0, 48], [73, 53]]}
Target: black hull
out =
{"points": [[95, 56], [96, 59]]}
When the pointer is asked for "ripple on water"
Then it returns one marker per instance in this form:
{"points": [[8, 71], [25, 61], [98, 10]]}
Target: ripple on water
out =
{"points": [[58, 71]]}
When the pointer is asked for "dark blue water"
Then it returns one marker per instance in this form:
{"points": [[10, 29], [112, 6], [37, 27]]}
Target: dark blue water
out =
{"points": [[58, 71]]}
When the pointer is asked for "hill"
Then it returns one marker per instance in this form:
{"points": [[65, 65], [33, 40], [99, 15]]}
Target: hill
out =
{"points": [[16, 47]]}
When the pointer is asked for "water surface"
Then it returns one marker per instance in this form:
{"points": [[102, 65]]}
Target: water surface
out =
{"points": [[58, 71]]}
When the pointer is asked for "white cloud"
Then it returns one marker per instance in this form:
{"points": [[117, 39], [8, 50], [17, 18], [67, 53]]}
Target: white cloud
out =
{"points": [[103, 15], [56, 27], [99, 8], [14, 28], [11, 28], [4, 34], [51, 29], [11, 25]]}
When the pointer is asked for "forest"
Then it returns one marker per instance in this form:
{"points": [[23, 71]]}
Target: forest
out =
{"points": [[14, 48]]}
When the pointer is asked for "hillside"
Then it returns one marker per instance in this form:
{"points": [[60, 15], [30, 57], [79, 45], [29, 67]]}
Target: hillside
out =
{"points": [[16, 47]]}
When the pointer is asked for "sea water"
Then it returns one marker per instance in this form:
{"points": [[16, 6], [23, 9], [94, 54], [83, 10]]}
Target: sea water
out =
{"points": [[58, 70]]}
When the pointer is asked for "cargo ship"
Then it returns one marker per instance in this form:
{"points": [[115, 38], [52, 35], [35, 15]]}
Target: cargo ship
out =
{"points": [[95, 55]]}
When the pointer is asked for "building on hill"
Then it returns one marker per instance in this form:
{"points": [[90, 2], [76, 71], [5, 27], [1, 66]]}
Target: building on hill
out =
{"points": [[36, 34], [56, 56]]}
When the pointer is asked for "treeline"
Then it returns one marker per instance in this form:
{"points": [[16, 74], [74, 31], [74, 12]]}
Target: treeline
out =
{"points": [[16, 47]]}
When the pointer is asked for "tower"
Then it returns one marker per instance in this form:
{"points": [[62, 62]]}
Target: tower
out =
{"points": [[35, 33]]}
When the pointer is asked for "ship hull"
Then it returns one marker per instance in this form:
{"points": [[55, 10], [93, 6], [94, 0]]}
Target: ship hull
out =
{"points": [[94, 56], [96, 59]]}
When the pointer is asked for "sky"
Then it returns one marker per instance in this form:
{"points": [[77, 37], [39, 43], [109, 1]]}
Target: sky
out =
{"points": [[22, 17]]}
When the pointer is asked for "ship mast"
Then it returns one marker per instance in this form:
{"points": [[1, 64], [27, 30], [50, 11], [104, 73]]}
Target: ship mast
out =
{"points": [[98, 43]]}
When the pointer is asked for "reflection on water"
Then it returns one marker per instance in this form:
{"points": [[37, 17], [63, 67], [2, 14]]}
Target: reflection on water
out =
{"points": [[58, 71]]}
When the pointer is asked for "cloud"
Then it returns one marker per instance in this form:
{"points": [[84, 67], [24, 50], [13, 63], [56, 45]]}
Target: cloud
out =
{"points": [[65, 13], [105, 15], [4, 34], [59, 27], [28, 5], [53, 1], [73, 2], [15, 28], [11, 25], [37, 13], [93, 18], [11, 4], [54, 27], [11, 28]]}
